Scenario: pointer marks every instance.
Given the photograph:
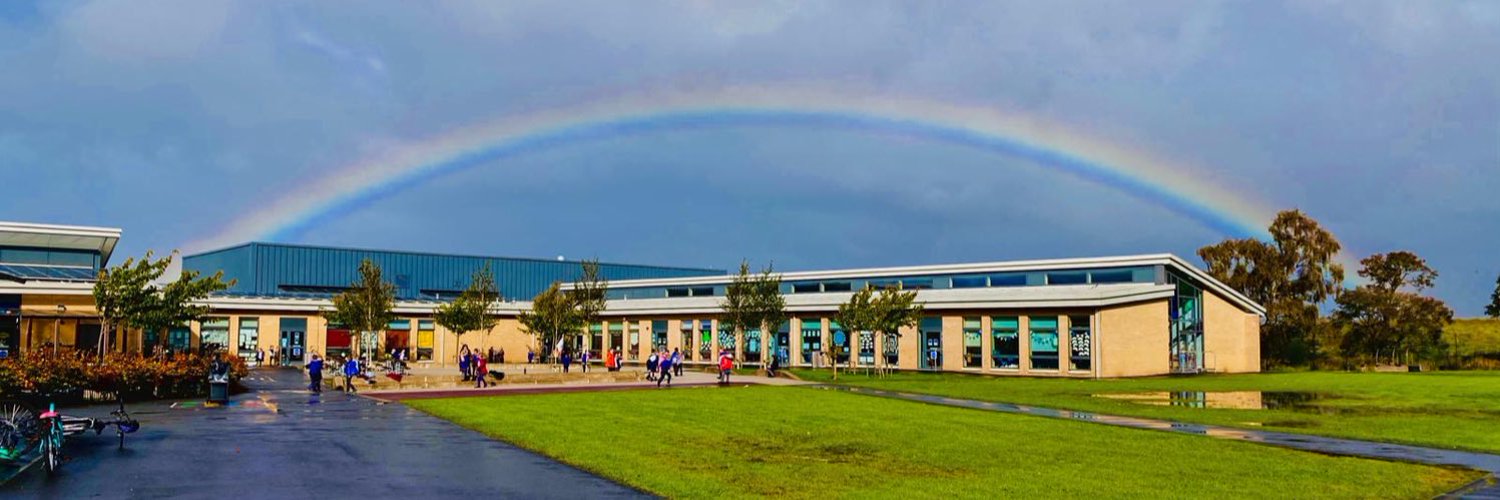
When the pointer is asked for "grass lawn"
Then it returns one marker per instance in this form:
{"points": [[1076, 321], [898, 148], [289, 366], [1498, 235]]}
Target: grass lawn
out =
{"points": [[806, 443], [1442, 409], [1473, 335]]}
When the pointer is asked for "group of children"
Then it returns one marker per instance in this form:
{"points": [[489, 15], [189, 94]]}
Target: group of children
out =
{"points": [[474, 366]]}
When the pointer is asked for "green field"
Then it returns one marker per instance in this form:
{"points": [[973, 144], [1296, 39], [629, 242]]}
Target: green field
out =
{"points": [[1444, 409], [811, 443], [1473, 336]]}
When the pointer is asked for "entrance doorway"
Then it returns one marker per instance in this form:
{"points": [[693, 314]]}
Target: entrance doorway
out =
{"points": [[932, 343], [293, 339]]}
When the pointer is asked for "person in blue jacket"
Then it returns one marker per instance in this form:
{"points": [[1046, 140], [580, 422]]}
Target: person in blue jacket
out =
{"points": [[315, 372], [351, 370]]}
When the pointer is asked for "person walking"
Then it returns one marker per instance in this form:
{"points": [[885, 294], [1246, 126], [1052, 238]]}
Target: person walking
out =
{"points": [[665, 369], [567, 359], [260, 358], [351, 370], [315, 374], [619, 359], [583, 361], [726, 366], [481, 372], [651, 363], [530, 355], [463, 361], [677, 361]]}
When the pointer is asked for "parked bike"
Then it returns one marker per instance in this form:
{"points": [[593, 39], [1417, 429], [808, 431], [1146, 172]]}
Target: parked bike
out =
{"points": [[26, 433]]}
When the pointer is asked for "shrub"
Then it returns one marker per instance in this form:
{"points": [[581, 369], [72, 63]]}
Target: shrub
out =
{"points": [[66, 375]]}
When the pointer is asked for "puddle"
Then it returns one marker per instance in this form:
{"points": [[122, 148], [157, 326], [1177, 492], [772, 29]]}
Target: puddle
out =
{"points": [[1230, 400]]}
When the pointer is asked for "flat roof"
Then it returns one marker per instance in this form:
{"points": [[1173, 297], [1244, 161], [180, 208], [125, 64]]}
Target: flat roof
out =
{"points": [[436, 254], [1164, 259], [25, 234]]}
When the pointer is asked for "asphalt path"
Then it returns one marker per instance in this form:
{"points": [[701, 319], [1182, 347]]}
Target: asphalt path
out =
{"points": [[280, 441]]}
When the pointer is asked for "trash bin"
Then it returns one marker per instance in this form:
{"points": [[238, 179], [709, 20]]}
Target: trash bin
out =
{"points": [[218, 390]]}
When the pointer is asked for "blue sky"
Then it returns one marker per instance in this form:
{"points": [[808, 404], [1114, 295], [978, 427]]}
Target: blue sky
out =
{"points": [[171, 118]]}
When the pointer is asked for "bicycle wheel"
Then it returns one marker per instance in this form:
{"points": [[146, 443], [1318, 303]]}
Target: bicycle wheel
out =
{"points": [[52, 445], [18, 429]]}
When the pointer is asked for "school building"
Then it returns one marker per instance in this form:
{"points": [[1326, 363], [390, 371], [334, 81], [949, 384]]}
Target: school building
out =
{"points": [[1089, 317]]}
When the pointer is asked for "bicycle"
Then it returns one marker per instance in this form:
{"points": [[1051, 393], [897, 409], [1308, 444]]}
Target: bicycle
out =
{"points": [[23, 431]]}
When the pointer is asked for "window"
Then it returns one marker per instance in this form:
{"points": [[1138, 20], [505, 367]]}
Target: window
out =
{"points": [[339, 341], [840, 342], [705, 339], [1044, 342], [249, 336], [970, 281], [806, 288], [838, 286], [1080, 343], [892, 349], [635, 341], [179, 338], [426, 337], [678, 292], [596, 341], [658, 335], [397, 335], [973, 342], [726, 337], [1008, 279], [617, 337], [752, 345], [867, 348], [812, 339], [1067, 278], [884, 284], [917, 284], [706, 291], [214, 334], [782, 346], [1112, 276], [687, 340], [1006, 349]]}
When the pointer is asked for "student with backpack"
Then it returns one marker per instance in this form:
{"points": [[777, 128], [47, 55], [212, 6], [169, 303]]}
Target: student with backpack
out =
{"points": [[664, 367], [651, 363], [351, 370], [726, 366]]}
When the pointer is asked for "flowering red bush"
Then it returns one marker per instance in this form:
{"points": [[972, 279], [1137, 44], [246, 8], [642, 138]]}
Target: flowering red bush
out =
{"points": [[66, 375]]}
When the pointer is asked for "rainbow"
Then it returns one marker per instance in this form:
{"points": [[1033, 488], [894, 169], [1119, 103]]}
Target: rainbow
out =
{"points": [[1156, 180]]}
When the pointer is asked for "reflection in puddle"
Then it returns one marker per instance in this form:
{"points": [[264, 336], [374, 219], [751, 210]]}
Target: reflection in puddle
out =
{"points": [[1233, 400]]}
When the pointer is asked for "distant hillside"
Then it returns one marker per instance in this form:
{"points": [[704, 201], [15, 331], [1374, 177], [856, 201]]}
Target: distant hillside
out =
{"points": [[1474, 335]]}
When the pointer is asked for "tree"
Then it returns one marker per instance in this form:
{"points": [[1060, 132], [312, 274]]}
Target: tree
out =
{"points": [[366, 306], [128, 296], [1292, 275], [588, 297], [882, 315], [1390, 314], [754, 301], [471, 310], [553, 314], [1493, 308]]}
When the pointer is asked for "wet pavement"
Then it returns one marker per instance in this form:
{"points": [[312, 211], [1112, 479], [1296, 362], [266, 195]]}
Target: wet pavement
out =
{"points": [[280, 441], [1487, 489]]}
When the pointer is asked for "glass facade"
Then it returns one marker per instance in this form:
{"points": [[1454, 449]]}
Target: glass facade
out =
{"points": [[1043, 342], [426, 338], [1080, 344], [752, 345], [1006, 335], [617, 337], [892, 349], [214, 335], [249, 337], [658, 335], [812, 340], [726, 337], [293, 338], [1186, 317], [596, 341], [973, 342], [632, 330], [931, 330], [841, 342], [686, 348], [782, 347], [866, 349], [706, 339]]}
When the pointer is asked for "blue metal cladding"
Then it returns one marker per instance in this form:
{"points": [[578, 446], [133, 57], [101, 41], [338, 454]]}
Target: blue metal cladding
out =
{"points": [[269, 269]]}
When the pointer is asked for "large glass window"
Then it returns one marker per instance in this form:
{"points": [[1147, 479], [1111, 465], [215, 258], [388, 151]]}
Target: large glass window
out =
{"points": [[687, 340], [840, 342], [214, 334], [752, 345], [1006, 333], [1067, 278], [294, 337], [892, 348], [867, 348], [179, 338], [1186, 326], [1080, 343], [633, 331], [397, 336], [426, 338], [812, 339], [970, 281], [1043, 342], [973, 342], [596, 341], [339, 342], [782, 348], [726, 337], [658, 335], [706, 339], [249, 336]]}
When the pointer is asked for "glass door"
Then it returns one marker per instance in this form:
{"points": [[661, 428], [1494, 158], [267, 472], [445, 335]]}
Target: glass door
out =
{"points": [[932, 343], [293, 339]]}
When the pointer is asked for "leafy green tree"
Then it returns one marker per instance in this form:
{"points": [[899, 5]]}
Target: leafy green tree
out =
{"points": [[882, 315], [588, 296], [1389, 314], [1292, 275], [553, 314], [128, 296], [471, 310], [754, 301], [1493, 308], [366, 306]]}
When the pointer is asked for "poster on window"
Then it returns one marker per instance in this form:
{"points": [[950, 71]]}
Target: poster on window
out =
{"points": [[1079, 344]]}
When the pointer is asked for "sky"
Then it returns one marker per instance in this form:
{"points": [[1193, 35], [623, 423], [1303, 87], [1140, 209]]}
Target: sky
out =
{"points": [[174, 120]]}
